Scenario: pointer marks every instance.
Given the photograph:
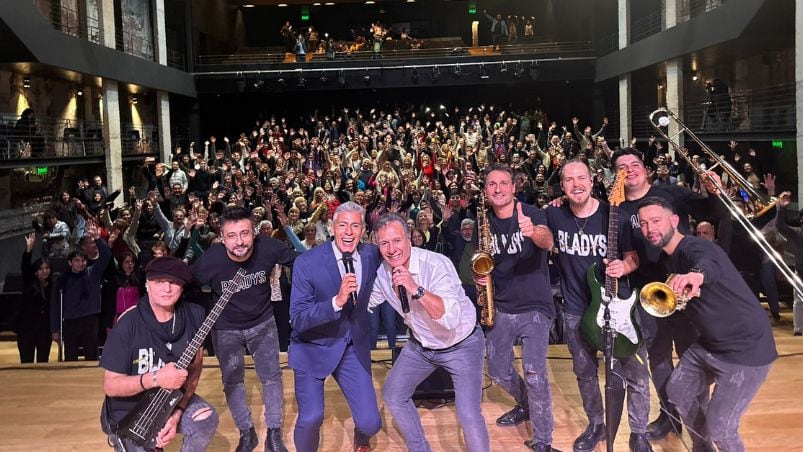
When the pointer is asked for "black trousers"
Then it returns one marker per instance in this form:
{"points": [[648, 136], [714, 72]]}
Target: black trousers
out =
{"points": [[81, 332], [35, 342]]}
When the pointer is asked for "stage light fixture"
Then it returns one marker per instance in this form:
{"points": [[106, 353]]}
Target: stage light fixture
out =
{"points": [[258, 83], [366, 77], [26, 82], [457, 72], [414, 75], [79, 92], [134, 99], [503, 67], [302, 82], [341, 77], [324, 77], [484, 72], [436, 73], [519, 70], [281, 81]]}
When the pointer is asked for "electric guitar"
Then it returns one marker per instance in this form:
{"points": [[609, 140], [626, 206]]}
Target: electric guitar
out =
{"points": [[627, 337], [143, 423]]}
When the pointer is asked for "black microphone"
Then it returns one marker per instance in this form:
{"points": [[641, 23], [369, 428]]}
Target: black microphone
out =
{"points": [[403, 297], [348, 263]]}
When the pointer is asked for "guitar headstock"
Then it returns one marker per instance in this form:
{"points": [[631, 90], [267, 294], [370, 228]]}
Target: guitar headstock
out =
{"points": [[617, 195]]}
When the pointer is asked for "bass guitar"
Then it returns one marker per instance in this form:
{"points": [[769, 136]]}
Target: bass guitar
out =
{"points": [[143, 423], [627, 337]]}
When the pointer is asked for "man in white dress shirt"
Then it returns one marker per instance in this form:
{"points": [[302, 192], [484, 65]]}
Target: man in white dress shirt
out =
{"points": [[443, 333]]}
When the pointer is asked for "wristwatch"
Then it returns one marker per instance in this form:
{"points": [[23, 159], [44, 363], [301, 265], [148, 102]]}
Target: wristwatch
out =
{"points": [[418, 293]]}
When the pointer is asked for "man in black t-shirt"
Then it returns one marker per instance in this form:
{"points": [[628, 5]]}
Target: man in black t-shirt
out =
{"points": [[660, 334], [523, 299], [247, 321], [580, 229], [141, 354], [735, 347]]}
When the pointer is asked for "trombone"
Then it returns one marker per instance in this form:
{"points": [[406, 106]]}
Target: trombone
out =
{"points": [[661, 119]]}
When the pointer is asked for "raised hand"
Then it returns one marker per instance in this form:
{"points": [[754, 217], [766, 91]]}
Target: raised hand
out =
{"points": [[785, 199], [30, 240], [525, 223], [769, 183]]}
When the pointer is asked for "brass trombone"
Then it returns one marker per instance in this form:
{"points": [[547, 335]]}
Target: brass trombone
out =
{"points": [[660, 120]]}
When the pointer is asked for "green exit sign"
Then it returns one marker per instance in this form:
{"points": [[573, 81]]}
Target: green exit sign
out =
{"points": [[41, 171], [777, 144], [472, 8], [304, 13]]}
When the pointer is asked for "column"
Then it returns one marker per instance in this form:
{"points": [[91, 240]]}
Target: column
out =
{"points": [[159, 34], [111, 138], [163, 116], [671, 8], [674, 96], [799, 92], [625, 113], [106, 22]]}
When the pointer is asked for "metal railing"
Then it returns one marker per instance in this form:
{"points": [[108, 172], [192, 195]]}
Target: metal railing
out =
{"points": [[646, 26], [175, 59], [608, 44], [764, 109], [48, 137], [73, 23], [134, 44], [140, 139], [701, 7], [546, 48]]}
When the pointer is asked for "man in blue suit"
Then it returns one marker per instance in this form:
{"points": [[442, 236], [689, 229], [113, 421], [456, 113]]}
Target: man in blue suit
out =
{"points": [[331, 329]]}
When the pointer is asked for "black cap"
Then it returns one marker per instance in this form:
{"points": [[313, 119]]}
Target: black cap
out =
{"points": [[169, 267]]}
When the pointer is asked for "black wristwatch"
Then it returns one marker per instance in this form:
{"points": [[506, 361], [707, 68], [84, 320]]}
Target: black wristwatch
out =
{"points": [[418, 293]]}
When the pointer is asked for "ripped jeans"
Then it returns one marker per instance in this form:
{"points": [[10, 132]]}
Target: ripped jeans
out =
{"points": [[198, 424], [715, 417], [533, 390]]}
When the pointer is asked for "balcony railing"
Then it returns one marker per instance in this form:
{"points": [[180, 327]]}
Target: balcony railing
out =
{"points": [[175, 59], [646, 26], [702, 6], [48, 138], [545, 48], [764, 109], [71, 22], [140, 139], [134, 45]]}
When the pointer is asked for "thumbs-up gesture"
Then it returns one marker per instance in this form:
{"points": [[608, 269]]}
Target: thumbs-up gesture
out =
{"points": [[525, 223]]}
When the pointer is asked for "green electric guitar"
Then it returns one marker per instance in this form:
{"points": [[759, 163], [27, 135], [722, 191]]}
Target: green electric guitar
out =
{"points": [[627, 337]]}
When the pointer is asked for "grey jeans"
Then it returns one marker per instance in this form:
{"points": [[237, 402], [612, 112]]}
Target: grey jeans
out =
{"points": [[633, 369], [463, 361], [532, 391], [197, 425], [263, 343], [715, 418]]}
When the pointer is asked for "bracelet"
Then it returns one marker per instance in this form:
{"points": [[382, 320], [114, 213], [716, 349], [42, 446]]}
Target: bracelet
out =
{"points": [[141, 384], [153, 379]]}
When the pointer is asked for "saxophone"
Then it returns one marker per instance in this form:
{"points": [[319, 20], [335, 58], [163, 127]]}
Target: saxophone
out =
{"points": [[482, 263]]}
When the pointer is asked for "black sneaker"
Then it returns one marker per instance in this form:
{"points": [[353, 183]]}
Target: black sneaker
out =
{"points": [[639, 443], [662, 426], [248, 440], [798, 333], [589, 438], [513, 417], [274, 442], [539, 447]]}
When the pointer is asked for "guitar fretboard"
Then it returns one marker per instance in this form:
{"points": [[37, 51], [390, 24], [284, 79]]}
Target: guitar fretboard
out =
{"points": [[612, 284], [206, 327]]}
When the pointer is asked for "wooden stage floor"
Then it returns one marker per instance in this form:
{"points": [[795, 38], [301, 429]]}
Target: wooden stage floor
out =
{"points": [[55, 407]]}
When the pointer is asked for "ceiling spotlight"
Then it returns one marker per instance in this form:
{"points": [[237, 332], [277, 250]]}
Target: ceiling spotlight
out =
{"points": [[414, 75], [484, 72], [436, 73], [26, 82], [457, 72], [248, 5], [341, 77], [503, 67]]}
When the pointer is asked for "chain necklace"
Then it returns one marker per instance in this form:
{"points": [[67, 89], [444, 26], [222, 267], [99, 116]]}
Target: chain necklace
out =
{"points": [[585, 219]]}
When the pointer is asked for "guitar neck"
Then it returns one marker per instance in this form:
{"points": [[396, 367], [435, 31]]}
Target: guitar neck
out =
{"points": [[198, 340], [612, 284]]}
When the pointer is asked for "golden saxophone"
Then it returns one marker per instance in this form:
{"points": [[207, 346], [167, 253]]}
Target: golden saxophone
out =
{"points": [[482, 263]]}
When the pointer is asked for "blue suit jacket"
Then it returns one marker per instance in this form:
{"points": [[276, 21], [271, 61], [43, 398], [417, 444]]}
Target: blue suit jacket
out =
{"points": [[320, 335]]}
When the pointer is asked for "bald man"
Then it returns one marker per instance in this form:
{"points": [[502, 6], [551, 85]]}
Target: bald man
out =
{"points": [[705, 230]]}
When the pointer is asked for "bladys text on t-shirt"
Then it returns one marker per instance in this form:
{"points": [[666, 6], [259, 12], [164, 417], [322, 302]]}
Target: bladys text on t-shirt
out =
{"points": [[511, 244], [249, 281], [577, 244], [145, 361]]}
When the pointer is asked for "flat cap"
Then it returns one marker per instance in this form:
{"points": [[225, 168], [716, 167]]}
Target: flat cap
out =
{"points": [[169, 267]]}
